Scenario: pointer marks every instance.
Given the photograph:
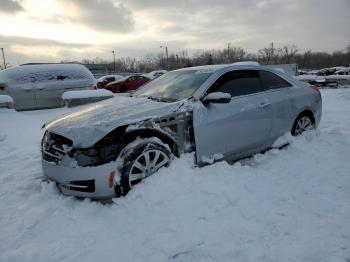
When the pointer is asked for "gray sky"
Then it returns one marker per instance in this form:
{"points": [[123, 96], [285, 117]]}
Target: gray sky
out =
{"points": [[54, 30]]}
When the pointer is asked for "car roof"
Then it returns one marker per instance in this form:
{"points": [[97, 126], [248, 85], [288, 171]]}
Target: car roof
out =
{"points": [[42, 67], [105, 76], [219, 67], [242, 66]]}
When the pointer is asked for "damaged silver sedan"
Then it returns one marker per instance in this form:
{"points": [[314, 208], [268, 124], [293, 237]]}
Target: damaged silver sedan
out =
{"points": [[222, 112]]}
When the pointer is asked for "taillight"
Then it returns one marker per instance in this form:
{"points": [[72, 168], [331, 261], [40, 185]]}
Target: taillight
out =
{"points": [[317, 88], [111, 179]]}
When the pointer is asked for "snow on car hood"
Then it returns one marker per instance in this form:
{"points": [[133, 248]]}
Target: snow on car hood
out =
{"points": [[88, 125]]}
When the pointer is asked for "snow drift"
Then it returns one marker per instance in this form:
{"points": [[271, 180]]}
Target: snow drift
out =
{"points": [[285, 205]]}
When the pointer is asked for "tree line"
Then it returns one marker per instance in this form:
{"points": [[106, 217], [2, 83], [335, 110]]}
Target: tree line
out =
{"points": [[271, 54]]}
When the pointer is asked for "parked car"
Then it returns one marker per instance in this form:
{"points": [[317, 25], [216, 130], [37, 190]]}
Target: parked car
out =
{"points": [[220, 112], [104, 80], [35, 86], [156, 73], [127, 83]]}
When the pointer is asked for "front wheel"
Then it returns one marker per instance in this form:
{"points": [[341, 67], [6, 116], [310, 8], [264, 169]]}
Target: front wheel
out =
{"points": [[302, 124], [141, 161]]}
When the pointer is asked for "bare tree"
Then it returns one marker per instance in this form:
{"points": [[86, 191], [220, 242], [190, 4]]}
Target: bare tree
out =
{"points": [[237, 54], [267, 54], [287, 53]]}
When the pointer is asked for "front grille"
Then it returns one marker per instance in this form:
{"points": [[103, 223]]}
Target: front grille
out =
{"points": [[54, 147]]}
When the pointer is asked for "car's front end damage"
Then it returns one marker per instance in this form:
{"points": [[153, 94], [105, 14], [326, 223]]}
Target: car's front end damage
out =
{"points": [[79, 172], [93, 171]]}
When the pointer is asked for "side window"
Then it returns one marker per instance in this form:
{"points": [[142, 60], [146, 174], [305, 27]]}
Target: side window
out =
{"points": [[138, 78], [272, 81], [110, 79], [238, 83]]}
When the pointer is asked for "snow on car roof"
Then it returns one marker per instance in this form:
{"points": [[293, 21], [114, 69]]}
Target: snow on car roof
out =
{"points": [[24, 73]]}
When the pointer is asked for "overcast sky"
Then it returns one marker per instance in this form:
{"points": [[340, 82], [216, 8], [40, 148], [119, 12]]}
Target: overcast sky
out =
{"points": [[55, 30]]}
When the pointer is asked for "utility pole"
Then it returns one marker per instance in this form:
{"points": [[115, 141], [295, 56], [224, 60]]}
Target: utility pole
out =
{"points": [[3, 57], [272, 51], [167, 55], [113, 60], [228, 52]]}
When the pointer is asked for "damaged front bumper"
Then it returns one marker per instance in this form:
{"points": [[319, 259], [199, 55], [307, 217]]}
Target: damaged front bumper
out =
{"points": [[97, 182]]}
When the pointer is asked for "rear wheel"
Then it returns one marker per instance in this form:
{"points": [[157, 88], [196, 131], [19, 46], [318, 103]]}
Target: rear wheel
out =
{"points": [[302, 124], [143, 160]]}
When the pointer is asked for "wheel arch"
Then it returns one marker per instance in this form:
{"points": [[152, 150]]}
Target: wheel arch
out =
{"points": [[130, 136], [306, 112]]}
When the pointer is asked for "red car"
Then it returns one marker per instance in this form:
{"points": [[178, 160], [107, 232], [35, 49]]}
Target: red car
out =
{"points": [[128, 83], [104, 80]]}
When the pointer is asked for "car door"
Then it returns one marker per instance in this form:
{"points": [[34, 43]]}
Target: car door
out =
{"points": [[21, 89], [237, 128], [279, 93], [140, 80], [144, 80], [127, 84], [50, 88]]}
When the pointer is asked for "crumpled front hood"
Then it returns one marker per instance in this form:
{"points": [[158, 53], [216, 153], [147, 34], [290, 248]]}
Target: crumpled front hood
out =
{"points": [[88, 125]]}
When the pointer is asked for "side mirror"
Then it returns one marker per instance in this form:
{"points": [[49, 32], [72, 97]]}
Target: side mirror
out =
{"points": [[217, 97]]}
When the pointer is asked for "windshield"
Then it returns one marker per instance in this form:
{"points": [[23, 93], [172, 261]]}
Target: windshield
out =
{"points": [[175, 85]]}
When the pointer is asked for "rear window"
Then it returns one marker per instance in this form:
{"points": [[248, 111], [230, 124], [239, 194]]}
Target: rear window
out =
{"points": [[272, 81]]}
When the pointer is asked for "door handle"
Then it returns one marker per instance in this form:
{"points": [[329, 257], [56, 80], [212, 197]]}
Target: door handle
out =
{"points": [[264, 104]]}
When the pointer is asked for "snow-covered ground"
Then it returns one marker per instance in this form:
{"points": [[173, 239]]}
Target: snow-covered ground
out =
{"points": [[285, 205]]}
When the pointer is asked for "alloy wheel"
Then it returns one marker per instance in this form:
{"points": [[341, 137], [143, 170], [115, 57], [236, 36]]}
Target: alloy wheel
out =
{"points": [[304, 124], [146, 164]]}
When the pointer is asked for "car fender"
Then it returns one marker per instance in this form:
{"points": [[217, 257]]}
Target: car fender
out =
{"points": [[151, 131]]}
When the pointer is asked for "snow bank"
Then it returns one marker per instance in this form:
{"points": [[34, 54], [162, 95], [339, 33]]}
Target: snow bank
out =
{"points": [[81, 97], [284, 205], [6, 101], [322, 78], [86, 94]]}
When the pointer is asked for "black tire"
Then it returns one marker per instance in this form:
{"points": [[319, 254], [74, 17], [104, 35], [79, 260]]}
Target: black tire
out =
{"points": [[309, 124], [134, 154]]}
